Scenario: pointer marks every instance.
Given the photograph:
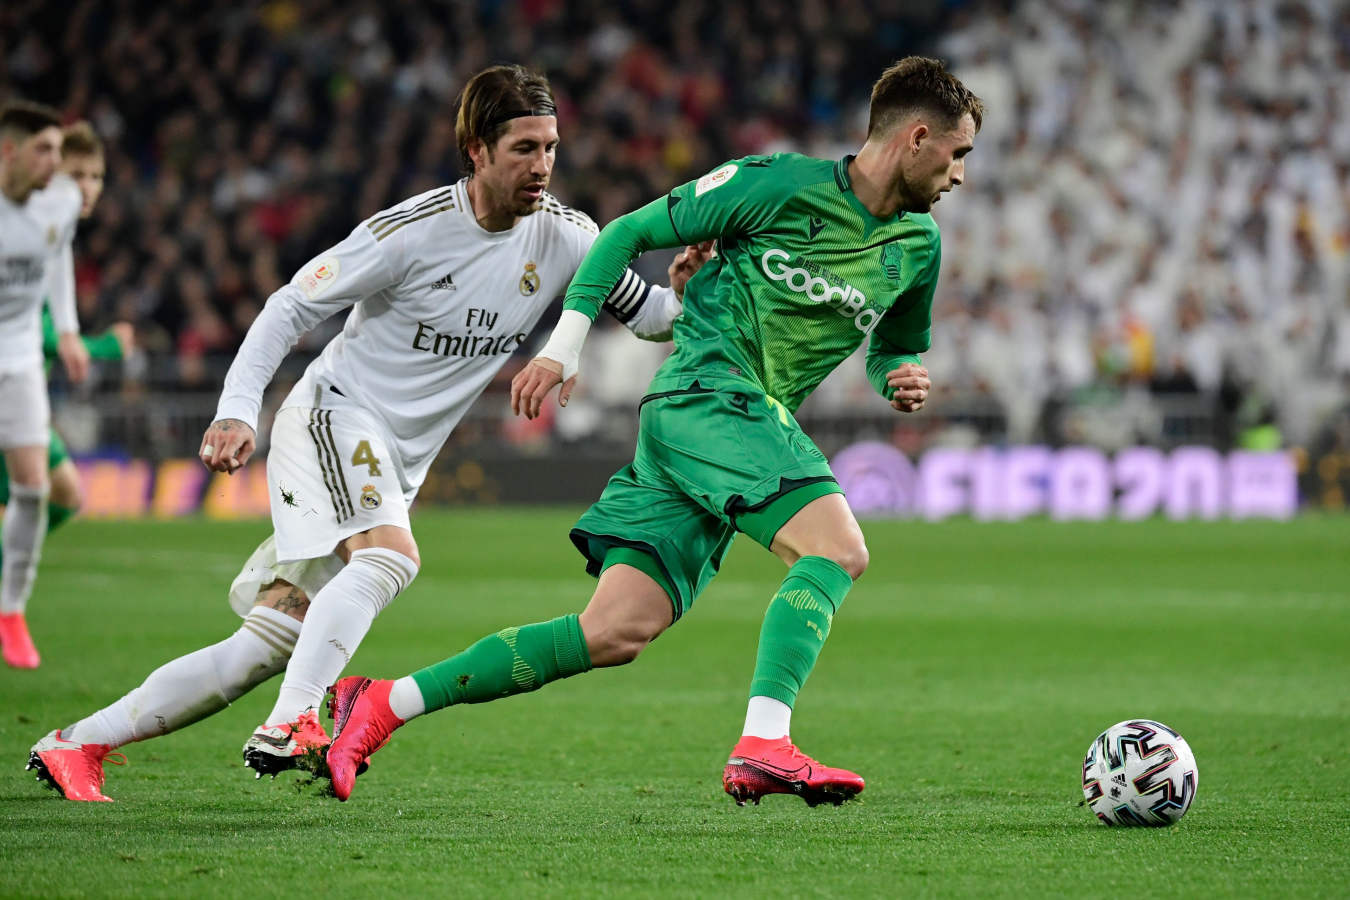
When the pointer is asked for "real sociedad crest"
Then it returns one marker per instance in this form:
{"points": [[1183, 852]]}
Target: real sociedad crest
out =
{"points": [[891, 255]]}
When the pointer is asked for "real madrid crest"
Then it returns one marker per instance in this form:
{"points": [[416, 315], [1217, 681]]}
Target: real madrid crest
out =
{"points": [[529, 282], [370, 498]]}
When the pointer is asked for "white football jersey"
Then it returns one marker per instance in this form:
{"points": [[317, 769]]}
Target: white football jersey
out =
{"points": [[440, 305], [36, 261]]}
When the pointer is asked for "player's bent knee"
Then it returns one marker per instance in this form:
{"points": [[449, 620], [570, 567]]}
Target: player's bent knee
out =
{"points": [[408, 550], [617, 641], [853, 559], [386, 537], [399, 568], [28, 468], [377, 575], [617, 646], [628, 610]]}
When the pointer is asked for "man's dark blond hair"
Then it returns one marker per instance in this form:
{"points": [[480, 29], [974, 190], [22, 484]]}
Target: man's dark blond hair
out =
{"points": [[80, 139], [917, 84], [494, 97]]}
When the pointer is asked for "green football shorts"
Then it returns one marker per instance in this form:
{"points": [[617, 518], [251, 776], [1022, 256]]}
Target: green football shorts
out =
{"points": [[56, 454], [709, 462]]}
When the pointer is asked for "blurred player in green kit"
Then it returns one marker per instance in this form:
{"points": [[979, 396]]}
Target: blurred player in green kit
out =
{"points": [[812, 258], [82, 159]]}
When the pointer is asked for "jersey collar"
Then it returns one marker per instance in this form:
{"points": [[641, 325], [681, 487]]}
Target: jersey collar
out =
{"points": [[870, 222]]}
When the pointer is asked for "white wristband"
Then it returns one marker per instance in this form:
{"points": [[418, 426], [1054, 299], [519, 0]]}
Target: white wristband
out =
{"points": [[564, 344]]}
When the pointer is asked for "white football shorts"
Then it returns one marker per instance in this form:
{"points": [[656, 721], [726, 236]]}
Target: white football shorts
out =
{"points": [[25, 415], [330, 475]]}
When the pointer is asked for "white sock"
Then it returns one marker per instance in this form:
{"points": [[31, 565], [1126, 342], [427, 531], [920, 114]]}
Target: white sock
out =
{"points": [[767, 718], [21, 538], [193, 687], [405, 698], [338, 618]]}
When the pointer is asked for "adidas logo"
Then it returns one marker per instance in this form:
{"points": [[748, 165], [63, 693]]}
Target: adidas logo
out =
{"points": [[446, 283]]}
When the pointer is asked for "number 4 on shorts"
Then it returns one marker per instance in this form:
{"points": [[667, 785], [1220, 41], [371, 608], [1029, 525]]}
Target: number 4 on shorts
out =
{"points": [[363, 457]]}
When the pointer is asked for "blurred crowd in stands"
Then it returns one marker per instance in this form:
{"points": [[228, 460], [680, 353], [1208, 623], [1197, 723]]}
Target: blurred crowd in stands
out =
{"points": [[1158, 205]]}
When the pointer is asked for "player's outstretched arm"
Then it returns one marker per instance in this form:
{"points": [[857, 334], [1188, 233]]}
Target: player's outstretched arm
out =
{"points": [[617, 245], [603, 268], [649, 310], [655, 320], [725, 201], [227, 445]]}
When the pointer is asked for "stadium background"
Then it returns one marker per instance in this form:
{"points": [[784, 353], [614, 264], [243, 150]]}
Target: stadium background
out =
{"points": [[1151, 248]]}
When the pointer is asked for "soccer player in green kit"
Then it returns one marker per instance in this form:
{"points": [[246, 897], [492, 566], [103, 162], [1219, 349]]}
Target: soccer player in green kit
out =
{"points": [[812, 257]]}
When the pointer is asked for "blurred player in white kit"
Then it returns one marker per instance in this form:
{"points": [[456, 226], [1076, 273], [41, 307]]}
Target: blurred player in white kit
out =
{"points": [[39, 210]]}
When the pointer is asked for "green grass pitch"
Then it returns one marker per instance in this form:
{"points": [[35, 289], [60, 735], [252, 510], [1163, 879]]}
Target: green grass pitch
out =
{"points": [[964, 678]]}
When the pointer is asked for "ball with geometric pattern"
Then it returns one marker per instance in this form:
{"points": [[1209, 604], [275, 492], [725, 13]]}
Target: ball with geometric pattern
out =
{"points": [[1139, 772]]}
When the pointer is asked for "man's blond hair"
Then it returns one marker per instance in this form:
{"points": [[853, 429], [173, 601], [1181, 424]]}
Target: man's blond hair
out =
{"points": [[80, 139]]}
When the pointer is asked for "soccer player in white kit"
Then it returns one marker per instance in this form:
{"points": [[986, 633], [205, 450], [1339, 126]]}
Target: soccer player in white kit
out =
{"points": [[39, 210], [445, 286]]}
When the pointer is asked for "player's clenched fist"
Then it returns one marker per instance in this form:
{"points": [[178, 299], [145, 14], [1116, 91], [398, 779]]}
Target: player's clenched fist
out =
{"points": [[227, 445], [909, 386], [532, 384]]}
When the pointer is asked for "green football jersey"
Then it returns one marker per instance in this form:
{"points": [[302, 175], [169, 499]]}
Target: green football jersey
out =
{"points": [[803, 273]]}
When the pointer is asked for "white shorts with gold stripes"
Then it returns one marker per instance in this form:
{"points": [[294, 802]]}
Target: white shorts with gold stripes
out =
{"points": [[330, 475]]}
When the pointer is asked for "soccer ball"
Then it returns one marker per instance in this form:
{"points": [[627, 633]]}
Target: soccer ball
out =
{"points": [[1139, 772]]}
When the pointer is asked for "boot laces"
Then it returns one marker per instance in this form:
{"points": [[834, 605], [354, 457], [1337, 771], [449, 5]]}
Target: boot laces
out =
{"points": [[94, 758]]}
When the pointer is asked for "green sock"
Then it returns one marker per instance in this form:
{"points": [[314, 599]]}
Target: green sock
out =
{"points": [[796, 625], [57, 516], [512, 661]]}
